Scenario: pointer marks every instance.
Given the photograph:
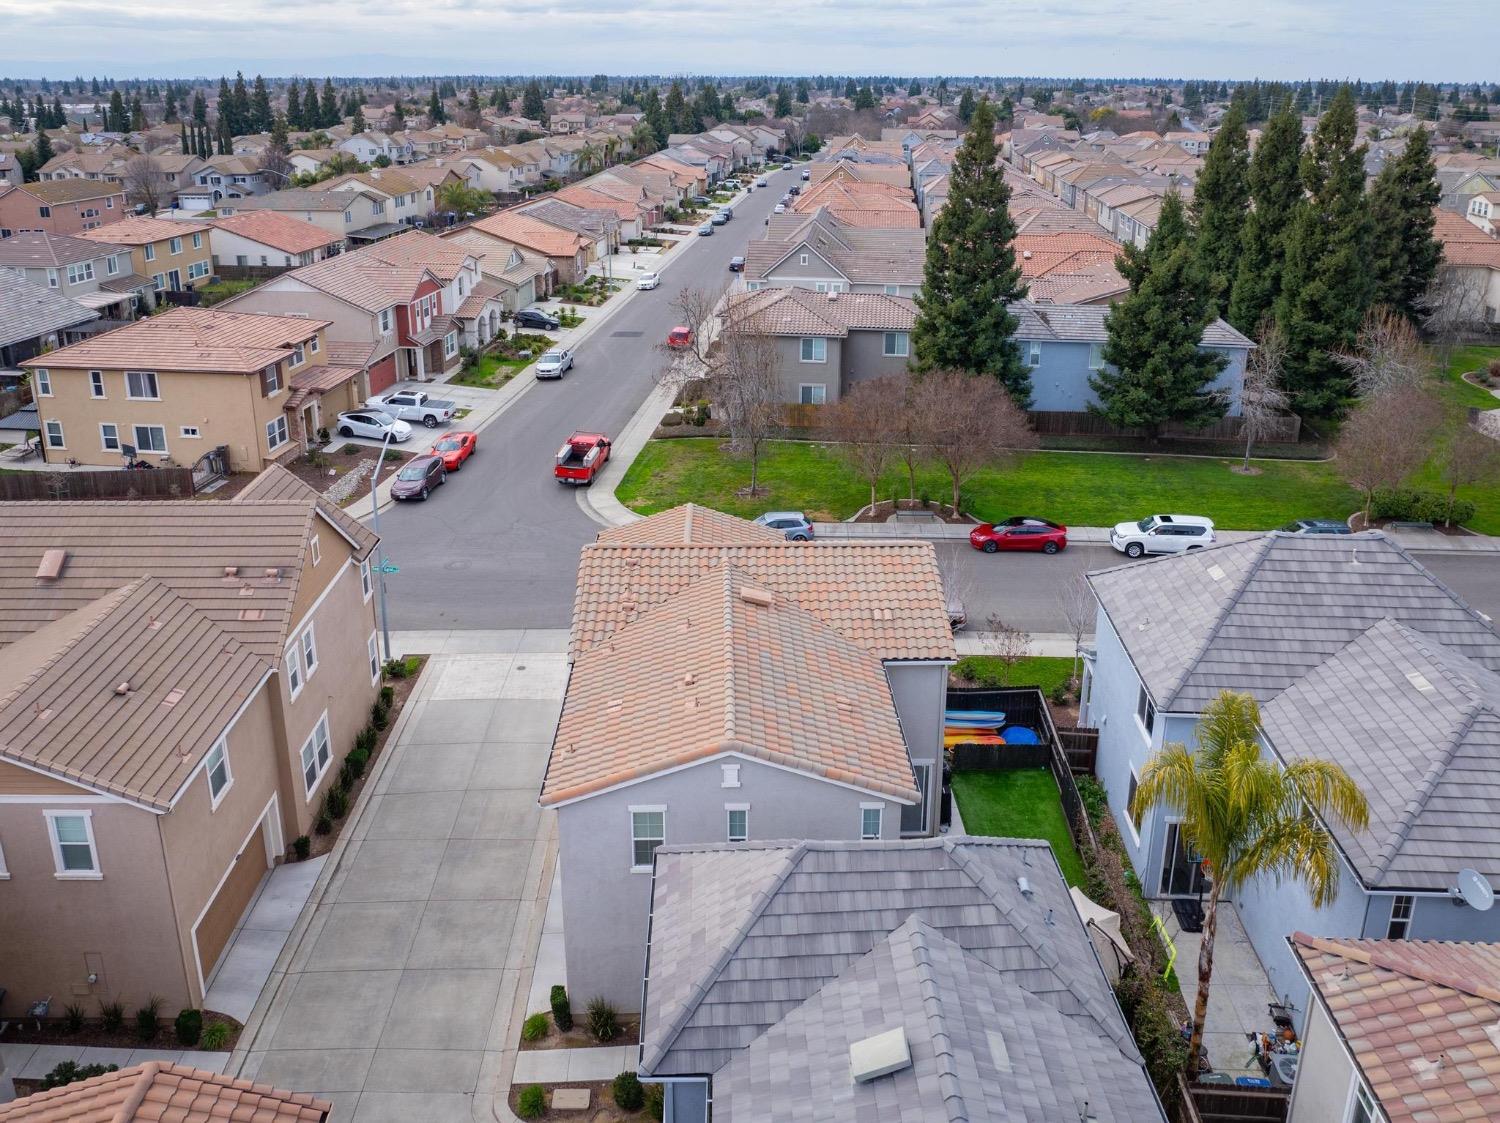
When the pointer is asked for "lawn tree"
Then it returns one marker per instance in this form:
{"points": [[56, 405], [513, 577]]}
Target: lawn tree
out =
{"points": [[867, 423], [1262, 400], [1008, 645], [1452, 306], [972, 272], [145, 183], [744, 386], [1079, 610], [1404, 254], [1467, 457], [1385, 439], [1249, 817], [1221, 198], [1387, 355], [1275, 190], [968, 423]]}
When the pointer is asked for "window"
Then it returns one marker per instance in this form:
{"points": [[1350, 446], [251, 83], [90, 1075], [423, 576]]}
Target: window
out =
{"points": [[815, 350], [739, 821], [450, 344], [276, 433], [897, 344], [753, 286], [1401, 906], [348, 216], [385, 321], [197, 269], [142, 384], [312, 345], [1145, 712], [1132, 812], [54, 432], [892, 290], [298, 356], [270, 381], [189, 431], [73, 852], [158, 281], [648, 830], [150, 438], [812, 393], [150, 252], [373, 650], [43, 382], [294, 670], [197, 241], [174, 245], [309, 651], [96, 384], [1096, 356], [1034, 355], [82, 271], [315, 756], [802, 259], [869, 820], [315, 549], [365, 585], [109, 204], [109, 436], [111, 265], [45, 212], [217, 769], [1364, 1105]]}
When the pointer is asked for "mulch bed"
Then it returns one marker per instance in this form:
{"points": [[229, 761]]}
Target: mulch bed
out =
{"points": [[1357, 523], [580, 1038], [601, 1107], [23, 1031]]}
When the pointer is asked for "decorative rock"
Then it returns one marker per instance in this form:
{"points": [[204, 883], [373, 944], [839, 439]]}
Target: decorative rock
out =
{"points": [[570, 1099]]}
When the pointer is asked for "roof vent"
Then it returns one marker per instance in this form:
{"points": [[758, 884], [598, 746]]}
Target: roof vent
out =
{"points": [[252, 614], [1216, 572], [173, 697], [998, 1052], [762, 597], [51, 566], [246, 591], [1419, 680], [1026, 255], [879, 1056], [153, 624], [689, 679], [833, 294], [122, 688], [273, 573]]}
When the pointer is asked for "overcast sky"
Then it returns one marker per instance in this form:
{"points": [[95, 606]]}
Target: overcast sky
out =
{"points": [[1183, 38]]}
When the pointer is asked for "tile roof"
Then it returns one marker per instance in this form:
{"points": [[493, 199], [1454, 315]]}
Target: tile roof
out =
{"points": [[484, 292], [139, 230], [35, 249], [1085, 323], [360, 279], [495, 257], [190, 339], [1084, 284], [532, 233], [742, 935], [158, 1092], [863, 255], [30, 311], [1463, 242], [71, 190], [1259, 615], [444, 259], [1065, 251], [798, 312], [386, 181], [277, 230], [1421, 1018], [689, 524], [297, 199]]}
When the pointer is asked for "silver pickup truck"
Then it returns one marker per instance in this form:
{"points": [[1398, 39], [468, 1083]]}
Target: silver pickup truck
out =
{"points": [[414, 405]]}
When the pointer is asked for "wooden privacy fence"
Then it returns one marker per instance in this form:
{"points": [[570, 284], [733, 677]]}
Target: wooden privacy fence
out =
{"points": [[1224, 1103], [154, 483], [1080, 747], [1054, 423]]}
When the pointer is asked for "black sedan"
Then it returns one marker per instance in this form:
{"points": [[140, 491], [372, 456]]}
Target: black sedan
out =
{"points": [[535, 318]]}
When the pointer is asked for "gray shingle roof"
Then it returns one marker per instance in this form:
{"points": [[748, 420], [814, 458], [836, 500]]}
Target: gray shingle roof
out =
{"points": [[1084, 323], [982, 1049], [36, 249], [1416, 725], [865, 255], [742, 935], [1259, 615], [28, 311]]}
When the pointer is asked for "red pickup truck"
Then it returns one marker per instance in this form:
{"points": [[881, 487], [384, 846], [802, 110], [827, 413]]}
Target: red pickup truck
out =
{"points": [[580, 460]]}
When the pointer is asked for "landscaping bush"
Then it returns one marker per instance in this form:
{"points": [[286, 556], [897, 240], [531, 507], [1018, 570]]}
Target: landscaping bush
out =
{"points": [[148, 1019], [346, 777], [602, 1021], [562, 1009], [215, 1036], [531, 1102], [388, 695], [189, 1027], [1411, 505], [70, 1072], [323, 824], [73, 1018], [628, 1093], [534, 1028], [112, 1016], [302, 847], [378, 716], [1145, 1008], [656, 1100], [1095, 798], [364, 740], [395, 668], [336, 803], [671, 420], [355, 762]]}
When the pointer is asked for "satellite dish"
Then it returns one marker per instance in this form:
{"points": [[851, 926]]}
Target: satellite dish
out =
{"points": [[1475, 889]]}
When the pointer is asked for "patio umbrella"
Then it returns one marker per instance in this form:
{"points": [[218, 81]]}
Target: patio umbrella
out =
{"points": [[1104, 929]]}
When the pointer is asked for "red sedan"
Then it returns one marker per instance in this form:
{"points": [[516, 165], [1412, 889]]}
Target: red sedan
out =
{"points": [[455, 448], [1020, 533]]}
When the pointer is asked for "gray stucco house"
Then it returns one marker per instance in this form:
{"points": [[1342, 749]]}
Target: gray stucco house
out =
{"points": [[817, 251], [1356, 654], [729, 685], [846, 982]]}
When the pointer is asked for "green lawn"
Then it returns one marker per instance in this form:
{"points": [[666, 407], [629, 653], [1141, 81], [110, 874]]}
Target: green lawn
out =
{"points": [[492, 372], [1485, 496], [1075, 488], [1018, 804], [1466, 393], [1038, 670]]}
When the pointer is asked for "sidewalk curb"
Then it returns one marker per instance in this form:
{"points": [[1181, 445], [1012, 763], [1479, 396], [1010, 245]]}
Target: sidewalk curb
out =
{"points": [[598, 500]]}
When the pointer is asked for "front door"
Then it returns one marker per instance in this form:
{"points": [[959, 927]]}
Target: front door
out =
{"points": [[1180, 876], [174, 280]]}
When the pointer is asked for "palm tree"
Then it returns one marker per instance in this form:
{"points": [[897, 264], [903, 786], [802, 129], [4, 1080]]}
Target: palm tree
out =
{"points": [[588, 157], [1248, 817], [455, 195]]}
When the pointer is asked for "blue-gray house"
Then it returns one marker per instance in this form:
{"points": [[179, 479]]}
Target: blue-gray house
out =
{"points": [[1356, 654]]}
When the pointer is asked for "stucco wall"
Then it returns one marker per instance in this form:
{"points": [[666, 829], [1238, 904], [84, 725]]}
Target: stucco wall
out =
{"points": [[865, 358], [794, 372], [1323, 1076], [1121, 741], [1061, 381], [920, 691]]}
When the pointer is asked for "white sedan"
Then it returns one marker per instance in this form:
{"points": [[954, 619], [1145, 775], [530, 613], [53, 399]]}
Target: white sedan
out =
{"points": [[554, 363], [647, 280], [373, 424]]}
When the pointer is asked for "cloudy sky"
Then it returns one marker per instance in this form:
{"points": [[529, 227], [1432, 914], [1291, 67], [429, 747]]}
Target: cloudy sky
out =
{"points": [[1182, 38]]}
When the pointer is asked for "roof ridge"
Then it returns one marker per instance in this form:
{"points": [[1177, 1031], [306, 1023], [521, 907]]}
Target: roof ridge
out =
{"points": [[1229, 606], [1423, 792], [143, 1083], [937, 1021], [726, 575], [1374, 953]]}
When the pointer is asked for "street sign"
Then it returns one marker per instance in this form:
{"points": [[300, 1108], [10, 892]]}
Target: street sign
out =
{"points": [[387, 567]]}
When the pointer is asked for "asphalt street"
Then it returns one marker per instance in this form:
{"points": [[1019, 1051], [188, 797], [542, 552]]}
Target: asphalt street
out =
{"points": [[498, 546]]}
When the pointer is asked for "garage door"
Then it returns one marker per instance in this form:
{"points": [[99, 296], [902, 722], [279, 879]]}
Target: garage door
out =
{"points": [[218, 922]]}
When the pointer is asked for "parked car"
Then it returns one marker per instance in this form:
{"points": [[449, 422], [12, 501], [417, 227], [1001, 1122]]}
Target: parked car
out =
{"points": [[536, 318], [455, 448], [372, 423], [1020, 533], [415, 405], [793, 524], [762, 182], [722, 216], [418, 478], [806, 173], [680, 337], [706, 230], [780, 208], [647, 280], [736, 264], [579, 460], [700, 201], [1317, 526], [554, 363], [794, 189], [1162, 534]]}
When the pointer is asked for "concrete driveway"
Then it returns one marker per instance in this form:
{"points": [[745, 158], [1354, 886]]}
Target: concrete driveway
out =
{"points": [[401, 990]]}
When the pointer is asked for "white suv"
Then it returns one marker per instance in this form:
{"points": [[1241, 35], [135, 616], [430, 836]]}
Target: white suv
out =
{"points": [[1162, 534]]}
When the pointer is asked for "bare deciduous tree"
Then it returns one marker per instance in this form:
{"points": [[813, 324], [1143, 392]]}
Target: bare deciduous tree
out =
{"points": [[695, 310], [1467, 457], [1452, 306], [867, 423], [1385, 439], [1387, 355], [1008, 645], [968, 422], [1262, 400], [145, 183], [1076, 605], [744, 385]]}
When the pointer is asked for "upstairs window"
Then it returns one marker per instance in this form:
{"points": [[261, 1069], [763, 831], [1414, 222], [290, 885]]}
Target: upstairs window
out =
{"points": [[142, 384], [73, 852], [648, 830]]}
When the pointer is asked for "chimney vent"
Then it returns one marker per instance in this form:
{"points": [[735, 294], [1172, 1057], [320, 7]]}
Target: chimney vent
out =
{"points": [[762, 597], [879, 1056], [173, 697], [122, 687], [51, 566], [231, 571]]}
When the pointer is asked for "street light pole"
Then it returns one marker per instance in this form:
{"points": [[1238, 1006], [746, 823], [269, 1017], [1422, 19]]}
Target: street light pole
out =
{"points": [[385, 620]]}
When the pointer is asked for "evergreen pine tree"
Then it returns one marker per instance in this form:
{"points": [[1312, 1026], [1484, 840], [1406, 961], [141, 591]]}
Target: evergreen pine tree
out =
{"points": [[200, 107], [655, 116], [474, 100], [850, 89], [1326, 283], [1276, 190], [328, 111], [864, 98], [674, 106], [803, 94], [971, 273], [116, 120], [169, 104], [783, 102], [294, 104], [260, 107], [1404, 254], [436, 115], [41, 148], [225, 106], [966, 106], [1220, 201], [915, 89], [59, 118], [1155, 372], [239, 120], [183, 126], [137, 115], [226, 138], [533, 105]]}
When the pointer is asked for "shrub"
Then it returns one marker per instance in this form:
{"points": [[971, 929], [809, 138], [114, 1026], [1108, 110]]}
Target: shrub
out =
{"points": [[378, 716], [215, 1035], [602, 1021], [671, 420], [355, 763], [1410, 505], [336, 803], [323, 824], [70, 1072], [112, 1016], [388, 695], [656, 1100], [189, 1026], [1095, 798], [395, 668], [1060, 694], [628, 1093], [346, 777], [562, 1009], [148, 1018], [351, 450], [73, 1018], [535, 1027], [531, 1102], [364, 740], [1493, 368], [1156, 1032], [302, 847]]}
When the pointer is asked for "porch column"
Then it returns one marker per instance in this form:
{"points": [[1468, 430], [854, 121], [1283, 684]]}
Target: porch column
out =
{"points": [[421, 369]]}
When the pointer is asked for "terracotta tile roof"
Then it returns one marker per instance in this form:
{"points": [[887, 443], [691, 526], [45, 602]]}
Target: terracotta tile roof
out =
{"points": [[1464, 243], [189, 339], [156, 1092], [1420, 1017], [532, 233], [275, 483], [274, 229], [474, 304], [362, 280], [386, 181], [320, 378], [727, 666], [689, 525], [71, 190], [344, 353], [598, 200], [1087, 284], [139, 230], [416, 247], [789, 311]]}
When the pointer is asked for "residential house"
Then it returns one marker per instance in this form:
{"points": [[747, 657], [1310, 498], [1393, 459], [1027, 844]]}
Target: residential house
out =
{"points": [[573, 122], [1471, 266], [1484, 212], [601, 226], [934, 978], [191, 1095], [222, 179], [34, 319], [1193, 143], [1357, 655], [10, 169], [175, 255], [522, 277], [368, 146], [186, 679], [106, 164], [1397, 1030], [348, 214], [669, 734], [399, 198], [825, 254], [268, 240], [1460, 184], [96, 274], [176, 386], [310, 161], [566, 251], [1068, 268], [858, 203], [632, 214], [63, 206], [495, 170], [178, 169], [432, 175], [469, 303], [688, 178]]}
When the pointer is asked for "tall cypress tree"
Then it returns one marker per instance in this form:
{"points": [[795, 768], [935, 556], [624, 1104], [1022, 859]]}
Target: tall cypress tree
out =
{"points": [[225, 107], [200, 108], [137, 115], [328, 112], [1404, 254], [1275, 190], [971, 273], [533, 106], [1221, 198], [169, 105], [239, 121], [260, 107], [42, 148], [1326, 285], [1155, 371], [117, 120], [309, 106], [436, 114], [183, 126], [294, 104]]}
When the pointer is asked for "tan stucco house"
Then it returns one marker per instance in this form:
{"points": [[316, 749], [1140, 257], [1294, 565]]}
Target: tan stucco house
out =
{"points": [[175, 255]]}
